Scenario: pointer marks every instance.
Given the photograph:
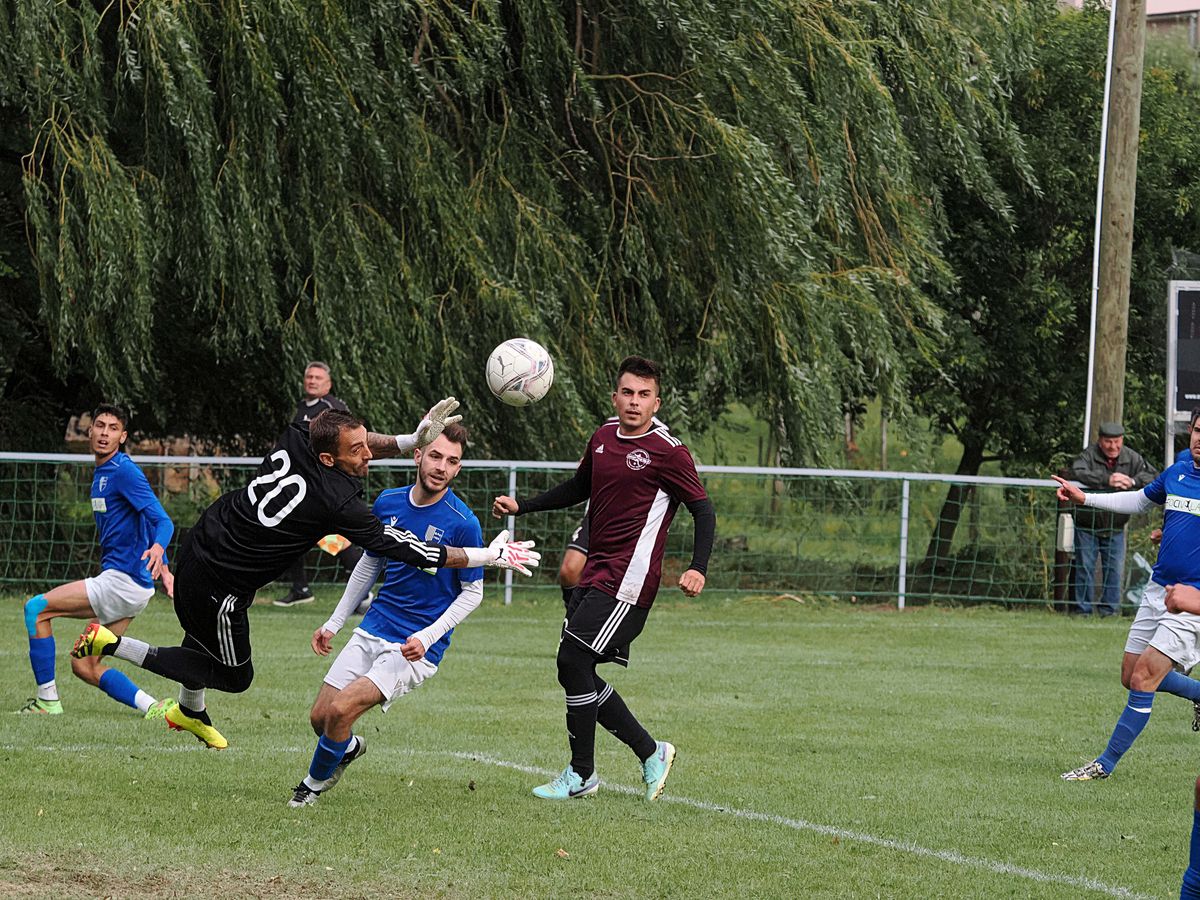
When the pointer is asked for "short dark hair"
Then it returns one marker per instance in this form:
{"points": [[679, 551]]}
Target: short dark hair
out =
{"points": [[457, 433], [325, 430], [112, 409], [643, 368], [1195, 416]]}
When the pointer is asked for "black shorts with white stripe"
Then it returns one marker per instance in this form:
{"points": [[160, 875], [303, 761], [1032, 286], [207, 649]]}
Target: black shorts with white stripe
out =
{"points": [[213, 617], [603, 625]]}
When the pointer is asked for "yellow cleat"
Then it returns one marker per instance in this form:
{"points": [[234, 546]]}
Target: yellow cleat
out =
{"points": [[93, 642], [178, 720]]}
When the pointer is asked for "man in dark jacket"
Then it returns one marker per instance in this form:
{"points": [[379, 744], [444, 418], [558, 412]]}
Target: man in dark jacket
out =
{"points": [[1107, 465]]}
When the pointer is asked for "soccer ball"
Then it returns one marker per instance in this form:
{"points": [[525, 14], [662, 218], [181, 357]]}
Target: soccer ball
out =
{"points": [[520, 371]]}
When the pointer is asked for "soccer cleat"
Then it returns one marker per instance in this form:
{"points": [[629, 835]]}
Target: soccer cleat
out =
{"points": [[360, 749], [567, 786], [42, 707], [656, 769], [1195, 716], [94, 641], [158, 709], [294, 598], [178, 720], [1093, 771], [303, 795]]}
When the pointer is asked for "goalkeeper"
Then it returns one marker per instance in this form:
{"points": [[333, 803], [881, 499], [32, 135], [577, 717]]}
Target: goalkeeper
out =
{"points": [[307, 487]]}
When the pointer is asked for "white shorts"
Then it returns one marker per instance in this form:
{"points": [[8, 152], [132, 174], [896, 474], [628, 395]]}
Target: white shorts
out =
{"points": [[382, 662], [113, 596], [1172, 634]]}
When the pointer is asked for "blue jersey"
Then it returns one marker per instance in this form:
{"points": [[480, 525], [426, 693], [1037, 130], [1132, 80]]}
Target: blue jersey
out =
{"points": [[1177, 490], [412, 598], [128, 516]]}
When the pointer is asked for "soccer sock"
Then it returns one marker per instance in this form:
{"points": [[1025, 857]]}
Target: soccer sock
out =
{"points": [[142, 701], [576, 673], [131, 650], [1191, 877], [41, 658], [613, 714], [1181, 686], [325, 759], [118, 686], [1133, 719]]}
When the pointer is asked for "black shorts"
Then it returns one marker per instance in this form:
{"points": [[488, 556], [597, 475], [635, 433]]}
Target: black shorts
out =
{"points": [[603, 625], [213, 619], [579, 537]]}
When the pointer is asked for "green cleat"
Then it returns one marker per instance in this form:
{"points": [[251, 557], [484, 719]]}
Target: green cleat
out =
{"points": [[159, 708], [567, 786], [94, 641], [42, 707], [178, 720], [656, 769]]}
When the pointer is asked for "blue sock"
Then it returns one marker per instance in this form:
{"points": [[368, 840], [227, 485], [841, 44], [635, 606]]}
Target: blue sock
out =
{"points": [[1181, 686], [327, 756], [1191, 878], [1133, 719], [118, 686], [41, 657]]}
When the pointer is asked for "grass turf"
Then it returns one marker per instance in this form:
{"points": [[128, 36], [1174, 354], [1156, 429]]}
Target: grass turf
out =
{"points": [[825, 751]]}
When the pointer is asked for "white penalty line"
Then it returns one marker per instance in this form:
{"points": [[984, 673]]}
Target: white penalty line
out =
{"points": [[950, 856]]}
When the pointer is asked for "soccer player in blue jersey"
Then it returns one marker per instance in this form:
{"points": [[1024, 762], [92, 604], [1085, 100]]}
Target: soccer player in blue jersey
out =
{"points": [[134, 533], [400, 641], [1162, 643]]}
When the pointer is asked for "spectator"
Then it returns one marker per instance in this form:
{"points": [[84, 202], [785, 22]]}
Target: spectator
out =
{"points": [[1108, 466]]}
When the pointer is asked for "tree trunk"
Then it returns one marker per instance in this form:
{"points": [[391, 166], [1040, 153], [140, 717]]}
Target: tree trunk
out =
{"points": [[937, 554]]}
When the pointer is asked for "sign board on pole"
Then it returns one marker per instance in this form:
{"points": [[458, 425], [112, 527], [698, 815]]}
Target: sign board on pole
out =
{"points": [[1183, 359]]}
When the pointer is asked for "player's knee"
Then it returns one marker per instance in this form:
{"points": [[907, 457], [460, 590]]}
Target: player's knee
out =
{"points": [[573, 663], [1198, 793], [239, 679], [33, 608]]}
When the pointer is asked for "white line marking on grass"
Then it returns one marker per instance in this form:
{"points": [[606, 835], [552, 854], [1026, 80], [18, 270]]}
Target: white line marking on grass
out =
{"points": [[950, 856]]}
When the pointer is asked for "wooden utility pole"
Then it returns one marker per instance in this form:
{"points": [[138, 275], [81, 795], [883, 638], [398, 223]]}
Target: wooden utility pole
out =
{"points": [[1116, 231]]}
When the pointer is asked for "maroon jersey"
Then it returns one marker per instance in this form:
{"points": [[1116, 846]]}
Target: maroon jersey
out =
{"points": [[637, 484]]}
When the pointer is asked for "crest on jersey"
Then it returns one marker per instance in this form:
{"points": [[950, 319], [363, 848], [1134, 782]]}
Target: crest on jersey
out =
{"points": [[637, 459], [433, 534], [103, 483]]}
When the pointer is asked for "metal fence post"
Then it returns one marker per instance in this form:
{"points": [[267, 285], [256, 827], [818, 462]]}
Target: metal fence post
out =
{"points": [[903, 544], [511, 525]]}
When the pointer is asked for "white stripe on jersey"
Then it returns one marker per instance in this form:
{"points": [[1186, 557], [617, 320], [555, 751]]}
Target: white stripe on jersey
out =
{"points": [[609, 628], [643, 551], [400, 536], [225, 632]]}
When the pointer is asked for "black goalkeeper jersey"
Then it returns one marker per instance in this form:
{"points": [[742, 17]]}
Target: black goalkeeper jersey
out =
{"points": [[250, 536]]}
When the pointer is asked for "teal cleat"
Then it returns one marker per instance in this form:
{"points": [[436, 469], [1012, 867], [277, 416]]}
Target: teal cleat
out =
{"points": [[656, 769], [567, 786]]}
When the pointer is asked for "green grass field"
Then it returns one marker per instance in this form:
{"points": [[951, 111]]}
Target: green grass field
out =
{"points": [[825, 751]]}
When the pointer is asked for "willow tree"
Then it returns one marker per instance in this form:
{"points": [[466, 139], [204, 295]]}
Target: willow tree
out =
{"points": [[216, 191]]}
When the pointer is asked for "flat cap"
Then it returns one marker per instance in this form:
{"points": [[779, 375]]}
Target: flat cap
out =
{"points": [[1111, 429]]}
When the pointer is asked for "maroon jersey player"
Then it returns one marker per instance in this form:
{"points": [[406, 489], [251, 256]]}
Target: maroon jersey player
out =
{"points": [[634, 474]]}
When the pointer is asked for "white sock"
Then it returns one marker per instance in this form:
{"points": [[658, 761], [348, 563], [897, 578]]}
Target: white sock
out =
{"points": [[48, 691], [142, 700], [193, 700], [314, 784], [132, 649]]}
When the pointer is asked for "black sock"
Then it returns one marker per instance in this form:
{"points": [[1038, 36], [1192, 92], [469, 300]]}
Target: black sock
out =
{"points": [[201, 714], [614, 715], [576, 669]]}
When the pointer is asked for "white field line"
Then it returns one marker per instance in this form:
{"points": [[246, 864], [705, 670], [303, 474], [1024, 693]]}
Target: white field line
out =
{"points": [[949, 856]]}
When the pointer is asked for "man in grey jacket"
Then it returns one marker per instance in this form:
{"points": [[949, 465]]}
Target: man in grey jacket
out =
{"points": [[1107, 465]]}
